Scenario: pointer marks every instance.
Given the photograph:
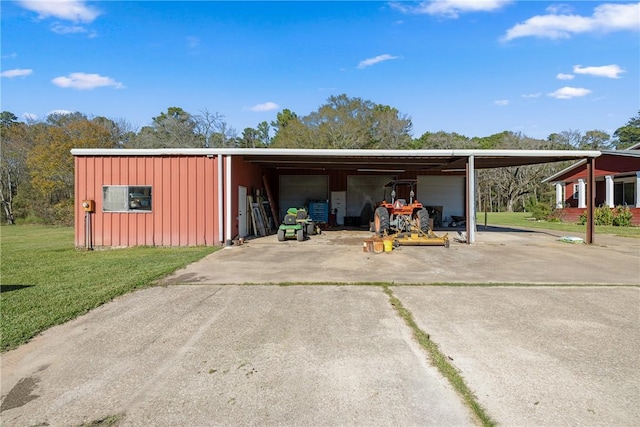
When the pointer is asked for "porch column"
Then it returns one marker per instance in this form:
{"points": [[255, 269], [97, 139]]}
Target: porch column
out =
{"points": [[638, 189], [608, 183], [559, 195], [582, 203]]}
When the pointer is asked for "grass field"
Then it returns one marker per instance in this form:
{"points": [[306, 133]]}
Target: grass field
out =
{"points": [[523, 219], [45, 280]]}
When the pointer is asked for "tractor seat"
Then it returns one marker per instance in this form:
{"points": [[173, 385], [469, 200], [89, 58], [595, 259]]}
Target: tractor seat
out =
{"points": [[289, 219], [302, 214], [400, 203]]}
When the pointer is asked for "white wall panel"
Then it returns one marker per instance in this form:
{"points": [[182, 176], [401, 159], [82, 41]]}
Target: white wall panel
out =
{"points": [[296, 190], [445, 191], [363, 190]]}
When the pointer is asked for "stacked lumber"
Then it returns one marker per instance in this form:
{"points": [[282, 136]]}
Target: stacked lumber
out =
{"points": [[261, 220]]}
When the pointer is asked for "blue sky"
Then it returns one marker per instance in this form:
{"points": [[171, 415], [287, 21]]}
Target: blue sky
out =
{"points": [[471, 67]]}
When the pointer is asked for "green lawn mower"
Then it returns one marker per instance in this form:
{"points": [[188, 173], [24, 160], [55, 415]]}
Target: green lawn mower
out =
{"points": [[296, 225]]}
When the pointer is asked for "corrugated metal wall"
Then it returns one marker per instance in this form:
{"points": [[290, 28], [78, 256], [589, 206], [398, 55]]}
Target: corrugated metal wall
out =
{"points": [[184, 200]]}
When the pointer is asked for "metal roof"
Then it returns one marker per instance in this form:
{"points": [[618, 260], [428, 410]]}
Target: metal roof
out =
{"points": [[364, 160]]}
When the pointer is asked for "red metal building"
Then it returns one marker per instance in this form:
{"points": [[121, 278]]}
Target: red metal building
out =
{"points": [[186, 197]]}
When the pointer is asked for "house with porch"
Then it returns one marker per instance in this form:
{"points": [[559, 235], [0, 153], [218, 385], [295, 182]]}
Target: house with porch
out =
{"points": [[616, 183]]}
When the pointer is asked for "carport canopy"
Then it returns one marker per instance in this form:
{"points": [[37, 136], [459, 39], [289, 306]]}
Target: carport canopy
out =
{"points": [[405, 160], [432, 161]]}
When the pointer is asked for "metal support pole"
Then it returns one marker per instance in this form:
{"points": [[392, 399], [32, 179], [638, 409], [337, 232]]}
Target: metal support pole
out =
{"points": [[591, 200], [471, 201], [88, 235]]}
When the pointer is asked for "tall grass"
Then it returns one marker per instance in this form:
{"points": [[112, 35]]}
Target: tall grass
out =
{"points": [[45, 280]]}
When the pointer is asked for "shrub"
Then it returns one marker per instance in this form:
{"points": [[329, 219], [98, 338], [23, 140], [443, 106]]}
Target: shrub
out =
{"points": [[603, 215], [556, 215], [540, 210], [622, 216]]}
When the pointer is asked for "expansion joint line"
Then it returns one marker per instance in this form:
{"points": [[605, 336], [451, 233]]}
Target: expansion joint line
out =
{"points": [[439, 360]]}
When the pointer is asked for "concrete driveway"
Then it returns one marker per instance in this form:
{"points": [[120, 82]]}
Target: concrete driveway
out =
{"points": [[219, 353], [499, 256]]}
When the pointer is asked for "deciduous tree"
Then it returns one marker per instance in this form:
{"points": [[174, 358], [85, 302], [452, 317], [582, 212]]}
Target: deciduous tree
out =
{"points": [[629, 134], [50, 161], [14, 147]]}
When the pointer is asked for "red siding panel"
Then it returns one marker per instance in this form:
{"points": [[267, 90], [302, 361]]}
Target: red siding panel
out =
{"points": [[184, 200], [606, 164]]}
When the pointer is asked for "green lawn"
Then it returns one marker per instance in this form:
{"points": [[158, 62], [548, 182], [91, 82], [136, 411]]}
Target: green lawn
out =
{"points": [[45, 280], [523, 219]]}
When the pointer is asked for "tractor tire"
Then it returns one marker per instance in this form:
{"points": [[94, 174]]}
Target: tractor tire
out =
{"points": [[422, 220], [381, 220], [300, 235], [280, 235]]}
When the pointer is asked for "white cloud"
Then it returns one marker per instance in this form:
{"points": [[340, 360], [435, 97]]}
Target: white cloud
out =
{"points": [[610, 71], [69, 10], [30, 117], [18, 72], [532, 95], [451, 8], [501, 102], [84, 81], [267, 106], [372, 61], [59, 28], [563, 76], [568, 92], [558, 9], [59, 113], [559, 23]]}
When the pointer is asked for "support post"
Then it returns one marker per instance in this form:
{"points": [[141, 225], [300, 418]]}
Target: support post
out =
{"points": [[471, 201], [220, 161], [227, 201], [591, 199]]}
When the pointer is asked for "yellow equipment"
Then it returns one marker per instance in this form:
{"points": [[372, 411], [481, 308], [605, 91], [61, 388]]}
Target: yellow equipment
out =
{"points": [[417, 237]]}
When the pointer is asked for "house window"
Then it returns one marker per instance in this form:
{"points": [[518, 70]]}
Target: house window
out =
{"points": [[624, 193], [122, 198], [576, 190]]}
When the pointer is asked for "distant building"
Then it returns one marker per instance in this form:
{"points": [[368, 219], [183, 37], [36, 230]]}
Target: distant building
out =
{"points": [[617, 183]]}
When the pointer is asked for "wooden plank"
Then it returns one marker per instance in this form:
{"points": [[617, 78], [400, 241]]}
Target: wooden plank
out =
{"points": [[272, 203], [255, 208], [253, 217], [265, 217]]}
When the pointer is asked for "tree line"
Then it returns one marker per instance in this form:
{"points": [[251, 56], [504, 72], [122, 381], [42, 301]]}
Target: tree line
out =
{"points": [[37, 169]]}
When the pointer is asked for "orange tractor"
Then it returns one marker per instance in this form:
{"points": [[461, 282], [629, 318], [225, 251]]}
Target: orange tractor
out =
{"points": [[408, 222]]}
